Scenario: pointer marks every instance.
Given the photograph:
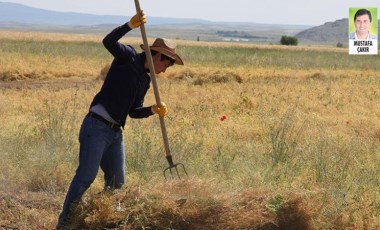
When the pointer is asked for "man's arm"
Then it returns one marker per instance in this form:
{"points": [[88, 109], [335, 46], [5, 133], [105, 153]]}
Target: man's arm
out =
{"points": [[138, 111], [112, 44], [141, 112], [111, 41]]}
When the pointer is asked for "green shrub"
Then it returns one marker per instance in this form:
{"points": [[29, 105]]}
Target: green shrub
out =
{"points": [[289, 41], [339, 45]]}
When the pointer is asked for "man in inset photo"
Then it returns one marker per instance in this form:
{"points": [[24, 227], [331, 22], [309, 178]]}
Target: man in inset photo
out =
{"points": [[363, 22]]}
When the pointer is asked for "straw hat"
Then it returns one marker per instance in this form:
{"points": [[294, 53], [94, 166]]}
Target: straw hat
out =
{"points": [[166, 47]]}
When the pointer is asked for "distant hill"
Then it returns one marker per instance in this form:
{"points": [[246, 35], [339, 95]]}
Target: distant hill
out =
{"points": [[20, 17], [13, 12], [328, 33]]}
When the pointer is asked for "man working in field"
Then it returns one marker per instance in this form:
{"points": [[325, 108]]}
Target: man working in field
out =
{"points": [[122, 94]]}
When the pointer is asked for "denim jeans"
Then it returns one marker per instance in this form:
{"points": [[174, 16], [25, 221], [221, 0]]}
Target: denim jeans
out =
{"points": [[99, 146]]}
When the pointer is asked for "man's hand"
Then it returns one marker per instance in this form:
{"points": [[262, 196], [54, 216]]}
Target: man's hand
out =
{"points": [[137, 20], [160, 110]]}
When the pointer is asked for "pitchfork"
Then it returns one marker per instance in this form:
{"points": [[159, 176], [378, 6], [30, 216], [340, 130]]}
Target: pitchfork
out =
{"points": [[158, 101]]}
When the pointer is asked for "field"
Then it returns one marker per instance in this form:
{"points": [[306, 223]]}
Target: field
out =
{"points": [[299, 148]]}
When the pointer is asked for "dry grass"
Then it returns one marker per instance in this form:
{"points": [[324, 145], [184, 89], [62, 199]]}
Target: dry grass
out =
{"points": [[186, 204], [43, 36], [298, 149], [193, 204]]}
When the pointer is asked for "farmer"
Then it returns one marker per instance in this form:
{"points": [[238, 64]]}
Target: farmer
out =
{"points": [[363, 22], [122, 94]]}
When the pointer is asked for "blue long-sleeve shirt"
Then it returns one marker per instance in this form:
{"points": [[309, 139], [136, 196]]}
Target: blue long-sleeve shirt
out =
{"points": [[127, 81]]}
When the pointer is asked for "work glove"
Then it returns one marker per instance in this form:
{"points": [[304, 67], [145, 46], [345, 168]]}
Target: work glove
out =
{"points": [[137, 20], [160, 110]]}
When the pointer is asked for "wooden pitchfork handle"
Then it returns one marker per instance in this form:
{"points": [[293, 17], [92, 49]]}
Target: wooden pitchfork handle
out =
{"points": [[156, 94]]}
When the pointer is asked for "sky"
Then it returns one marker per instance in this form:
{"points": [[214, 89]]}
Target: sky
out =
{"points": [[296, 12]]}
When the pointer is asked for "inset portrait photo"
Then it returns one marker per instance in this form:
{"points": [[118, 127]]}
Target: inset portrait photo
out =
{"points": [[363, 31]]}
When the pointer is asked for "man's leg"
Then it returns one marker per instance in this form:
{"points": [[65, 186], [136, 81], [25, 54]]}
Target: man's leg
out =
{"points": [[93, 140], [113, 164]]}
